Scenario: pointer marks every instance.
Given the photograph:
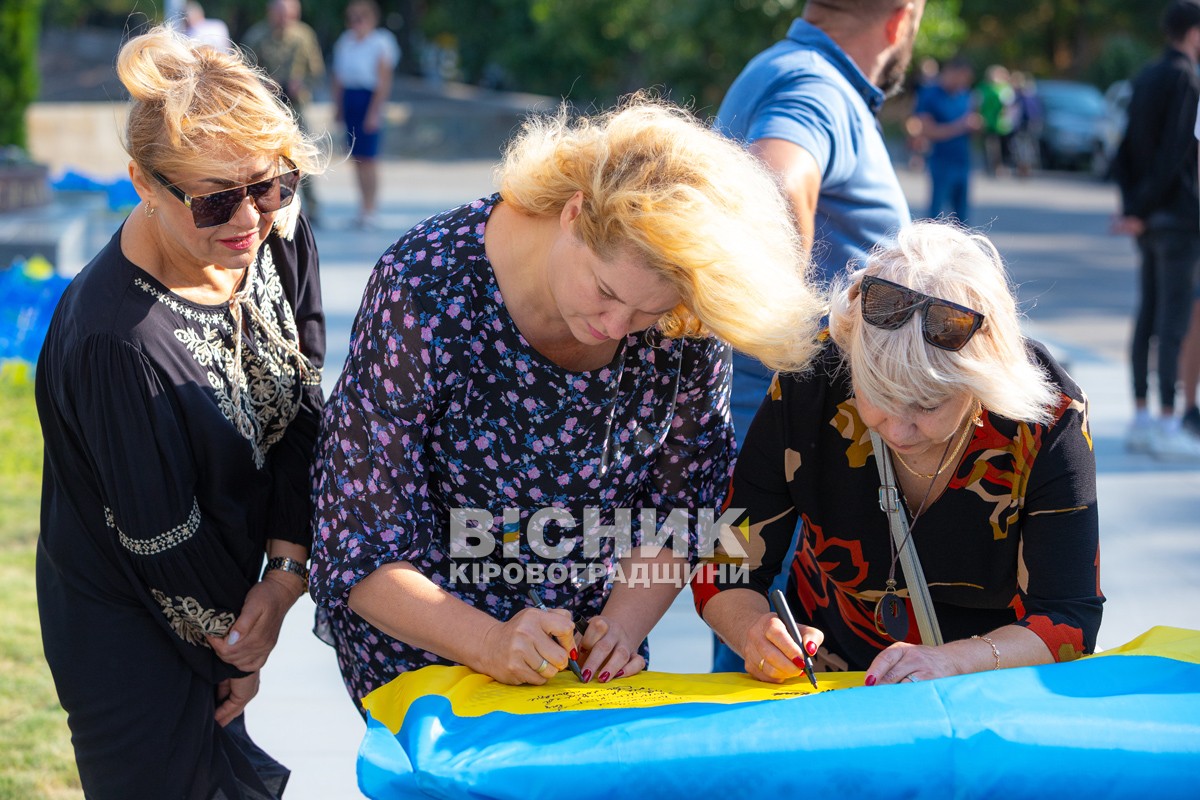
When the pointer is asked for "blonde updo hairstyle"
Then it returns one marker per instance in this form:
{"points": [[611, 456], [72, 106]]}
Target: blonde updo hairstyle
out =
{"points": [[696, 207], [898, 369], [202, 109]]}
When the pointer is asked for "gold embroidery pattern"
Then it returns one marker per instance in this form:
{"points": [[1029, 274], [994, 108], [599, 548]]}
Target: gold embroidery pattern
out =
{"points": [[192, 621], [261, 395], [163, 541]]}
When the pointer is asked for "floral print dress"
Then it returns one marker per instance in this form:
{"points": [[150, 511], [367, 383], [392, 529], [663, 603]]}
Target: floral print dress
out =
{"points": [[445, 410]]}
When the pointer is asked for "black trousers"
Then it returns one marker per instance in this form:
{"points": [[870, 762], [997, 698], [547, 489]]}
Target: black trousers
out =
{"points": [[1170, 260]]}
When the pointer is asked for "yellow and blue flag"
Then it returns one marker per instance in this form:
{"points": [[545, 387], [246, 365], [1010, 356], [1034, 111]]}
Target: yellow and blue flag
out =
{"points": [[1122, 723]]}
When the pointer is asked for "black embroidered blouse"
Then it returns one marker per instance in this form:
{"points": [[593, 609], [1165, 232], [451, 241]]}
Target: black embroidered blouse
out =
{"points": [[174, 451]]}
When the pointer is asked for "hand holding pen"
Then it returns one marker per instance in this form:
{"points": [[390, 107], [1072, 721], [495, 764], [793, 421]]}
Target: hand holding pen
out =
{"points": [[572, 654], [803, 661]]}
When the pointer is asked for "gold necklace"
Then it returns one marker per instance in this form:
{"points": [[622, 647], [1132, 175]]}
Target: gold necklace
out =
{"points": [[962, 440]]}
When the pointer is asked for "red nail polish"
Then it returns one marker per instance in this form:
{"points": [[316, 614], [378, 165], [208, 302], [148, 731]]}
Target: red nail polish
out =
{"points": [[603, 677], [620, 672], [574, 654], [587, 675], [811, 647], [798, 661], [870, 680]]}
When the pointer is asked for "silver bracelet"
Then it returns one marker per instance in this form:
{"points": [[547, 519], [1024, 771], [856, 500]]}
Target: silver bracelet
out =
{"points": [[995, 650], [291, 565]]}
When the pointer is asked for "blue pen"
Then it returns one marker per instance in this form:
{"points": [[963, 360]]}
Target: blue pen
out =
{"points": [[571, 663]]}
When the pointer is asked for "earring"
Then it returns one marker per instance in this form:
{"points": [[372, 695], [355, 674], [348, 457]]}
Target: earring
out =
{"points": [[149, 210]]}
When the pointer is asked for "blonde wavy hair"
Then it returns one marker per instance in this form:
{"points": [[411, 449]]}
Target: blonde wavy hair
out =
{"points": [[897, 369], [198, 108], [698, 209]]}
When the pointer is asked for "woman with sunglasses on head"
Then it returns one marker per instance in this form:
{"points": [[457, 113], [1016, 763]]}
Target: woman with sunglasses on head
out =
{"points": [[179, 396], [550, 349], [987, 438]]}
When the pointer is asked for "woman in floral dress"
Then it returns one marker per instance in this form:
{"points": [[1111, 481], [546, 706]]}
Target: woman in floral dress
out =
{"points": [[531, 372]]}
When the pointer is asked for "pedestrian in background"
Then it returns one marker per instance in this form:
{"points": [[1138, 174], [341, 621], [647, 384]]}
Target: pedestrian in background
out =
{"points": [[998, 110], [926, 74], [1189, 357], [1156, 169], [364, 58], [806, 106], [947, 121], [1028, 125], [287, 49], [212, 32]]}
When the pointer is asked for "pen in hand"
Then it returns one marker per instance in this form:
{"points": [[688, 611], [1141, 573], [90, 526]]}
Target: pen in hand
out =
{"points": [[785, 614], [571, 663]]}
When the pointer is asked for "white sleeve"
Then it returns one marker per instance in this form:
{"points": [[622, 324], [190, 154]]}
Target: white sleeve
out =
{"points": [[384, 48]]}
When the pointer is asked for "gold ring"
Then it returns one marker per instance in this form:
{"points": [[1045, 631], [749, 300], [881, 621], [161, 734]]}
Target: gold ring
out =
{"points": [[542, 666], [761, 661]]}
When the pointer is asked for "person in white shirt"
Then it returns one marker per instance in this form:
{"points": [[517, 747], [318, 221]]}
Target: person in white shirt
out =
{"points": [[364, 58], [212, 32]]}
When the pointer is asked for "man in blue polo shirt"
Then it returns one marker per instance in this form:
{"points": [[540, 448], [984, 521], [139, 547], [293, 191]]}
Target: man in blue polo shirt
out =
{"points": [[947, 121], [806, 106]]}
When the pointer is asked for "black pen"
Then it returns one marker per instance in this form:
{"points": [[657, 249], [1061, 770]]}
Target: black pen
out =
{"points": [[785, 614], [572, 663]]}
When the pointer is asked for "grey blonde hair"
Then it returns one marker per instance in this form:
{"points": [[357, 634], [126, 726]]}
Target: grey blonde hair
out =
{"points": [[897, 368], [700, 210], [198, 108]]}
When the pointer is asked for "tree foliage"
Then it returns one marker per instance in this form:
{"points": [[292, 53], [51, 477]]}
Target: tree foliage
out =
{"points": [[19, 28], [592, 51], [1097, 40], [595, 50]]}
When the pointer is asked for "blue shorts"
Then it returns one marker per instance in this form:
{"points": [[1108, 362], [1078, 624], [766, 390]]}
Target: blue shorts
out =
{"points": [[354, 112]]}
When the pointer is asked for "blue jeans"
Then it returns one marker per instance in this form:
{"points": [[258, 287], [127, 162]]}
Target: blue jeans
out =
{"points": [[1168, 273], [949, 188], [750, 383]]}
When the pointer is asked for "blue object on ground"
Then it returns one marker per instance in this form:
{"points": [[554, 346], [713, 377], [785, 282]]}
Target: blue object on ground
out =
{"points": [[29, 293], [120, 192]]}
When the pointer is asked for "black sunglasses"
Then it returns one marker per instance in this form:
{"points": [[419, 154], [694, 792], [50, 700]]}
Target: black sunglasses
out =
{"points": [[217, 208], [945, 325]]}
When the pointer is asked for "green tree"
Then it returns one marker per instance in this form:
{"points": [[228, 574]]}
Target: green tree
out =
{"points": [[1063, 37], [942, 30], [591, 51], [19, 28]]}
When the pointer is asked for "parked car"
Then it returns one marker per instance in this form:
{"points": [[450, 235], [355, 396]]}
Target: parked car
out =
{"points": [[1077, 132]]}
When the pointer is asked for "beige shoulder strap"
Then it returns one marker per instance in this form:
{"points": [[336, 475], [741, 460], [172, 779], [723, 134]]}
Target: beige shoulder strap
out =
{"points": [[914, 576]]}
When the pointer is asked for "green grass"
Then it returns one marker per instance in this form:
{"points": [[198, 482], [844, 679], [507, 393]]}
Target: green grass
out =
{"points": [[36, 760]]}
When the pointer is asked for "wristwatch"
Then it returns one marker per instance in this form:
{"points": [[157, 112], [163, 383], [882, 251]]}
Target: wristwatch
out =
{"points": [[291, 565]]}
